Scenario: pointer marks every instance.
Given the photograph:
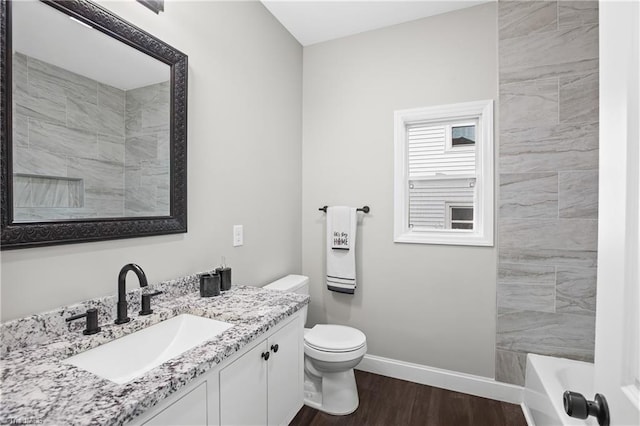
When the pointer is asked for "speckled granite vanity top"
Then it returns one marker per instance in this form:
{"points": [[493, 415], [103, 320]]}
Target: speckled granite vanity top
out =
{"points": [[37, 388]]}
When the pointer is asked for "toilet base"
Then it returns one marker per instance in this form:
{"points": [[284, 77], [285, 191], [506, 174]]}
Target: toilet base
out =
{"points": [[333, 393]]}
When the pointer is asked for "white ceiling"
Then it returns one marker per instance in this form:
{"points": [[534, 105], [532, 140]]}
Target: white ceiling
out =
{"points": [[315, 21]]}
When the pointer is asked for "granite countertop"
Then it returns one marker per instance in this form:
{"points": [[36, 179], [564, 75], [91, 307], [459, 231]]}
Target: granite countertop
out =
{"points": [[37, 388]]}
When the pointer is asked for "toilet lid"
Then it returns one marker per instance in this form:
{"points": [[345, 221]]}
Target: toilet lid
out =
{"points": [[335, 338]]}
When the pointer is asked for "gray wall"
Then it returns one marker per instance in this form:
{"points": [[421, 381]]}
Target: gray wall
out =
{"points": [[547, 226], [427, 304], [244, 131]]}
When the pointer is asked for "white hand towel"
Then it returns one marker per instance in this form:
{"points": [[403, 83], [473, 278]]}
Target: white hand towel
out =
{"points": [[341, 249]]}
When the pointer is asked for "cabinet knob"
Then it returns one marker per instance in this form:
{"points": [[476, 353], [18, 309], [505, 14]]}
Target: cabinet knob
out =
{"points": [[275, 348], [265, 356]]}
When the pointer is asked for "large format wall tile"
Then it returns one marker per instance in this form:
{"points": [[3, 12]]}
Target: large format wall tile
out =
{"points": [[111, 110], [20, 131], [19, 77], [510, 366], [141, 148], [516, 297], [45, 108], [555, 334], [528, 104], [579, 98], [82, 115], [22, 191], [98, 175], [556, 49], [164, 146], [518, 273], [56, 81], [111, 148], [536, 256], [578, 194], [147, 109], [543, 71], [577, 13], [517, 19], [549, 148], [155, 118], [561, 234], [62, 140], [33, 162], [576, 290], [525, 195]]}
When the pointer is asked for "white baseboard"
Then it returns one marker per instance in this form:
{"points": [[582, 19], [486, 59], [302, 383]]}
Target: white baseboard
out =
{"points": [[441, 378]]}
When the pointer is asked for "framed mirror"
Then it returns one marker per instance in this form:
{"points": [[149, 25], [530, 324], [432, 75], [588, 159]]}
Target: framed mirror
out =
{"points": [[93, 127]]}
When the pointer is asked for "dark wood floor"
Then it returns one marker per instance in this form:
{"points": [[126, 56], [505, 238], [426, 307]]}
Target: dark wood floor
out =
{"points": [[389, 402]]}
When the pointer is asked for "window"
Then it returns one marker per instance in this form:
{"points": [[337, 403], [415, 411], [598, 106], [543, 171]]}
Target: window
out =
{"points": [[444, 174]]}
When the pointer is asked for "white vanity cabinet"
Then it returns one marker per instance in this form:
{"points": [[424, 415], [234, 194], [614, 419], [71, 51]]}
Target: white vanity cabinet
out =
{"points": [[246, 388], [197, 404], [264, 386], [190, 410]]}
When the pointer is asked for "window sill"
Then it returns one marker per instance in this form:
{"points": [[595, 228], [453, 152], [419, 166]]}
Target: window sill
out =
{"points": [[444, 237]]}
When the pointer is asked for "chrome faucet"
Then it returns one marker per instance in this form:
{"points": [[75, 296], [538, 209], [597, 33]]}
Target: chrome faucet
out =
{"points": [[122, 291]]}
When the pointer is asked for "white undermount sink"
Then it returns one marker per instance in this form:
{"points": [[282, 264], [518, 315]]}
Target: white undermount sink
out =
{"points": [[124, 359]]}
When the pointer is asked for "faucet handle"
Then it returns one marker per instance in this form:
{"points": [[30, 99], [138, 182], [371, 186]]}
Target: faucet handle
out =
{"points": [[92, 321], [146, 303]]}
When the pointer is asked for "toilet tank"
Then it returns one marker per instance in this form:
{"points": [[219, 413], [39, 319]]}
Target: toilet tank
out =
{"points": [[293, 283]]}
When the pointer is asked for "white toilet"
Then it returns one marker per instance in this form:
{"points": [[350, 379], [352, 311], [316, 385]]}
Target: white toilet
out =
{"points": [[330, 354]]}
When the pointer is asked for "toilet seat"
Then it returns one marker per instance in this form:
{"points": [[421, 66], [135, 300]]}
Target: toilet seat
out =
{"points": [[335, 338], [334, 343]]}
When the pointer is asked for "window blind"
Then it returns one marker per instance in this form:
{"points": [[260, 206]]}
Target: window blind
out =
{"points": [[428, 154], [437, 175], [428, 199]]}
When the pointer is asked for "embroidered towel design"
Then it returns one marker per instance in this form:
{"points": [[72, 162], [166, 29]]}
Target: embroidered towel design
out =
{"points": [[340, 227], [341, 238]]}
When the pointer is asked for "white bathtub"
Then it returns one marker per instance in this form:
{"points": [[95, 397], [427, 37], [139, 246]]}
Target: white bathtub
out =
{"points": [[546, 380]]}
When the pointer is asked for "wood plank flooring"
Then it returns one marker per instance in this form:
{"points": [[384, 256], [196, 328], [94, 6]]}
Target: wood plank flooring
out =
{"points": [[389, 402]]}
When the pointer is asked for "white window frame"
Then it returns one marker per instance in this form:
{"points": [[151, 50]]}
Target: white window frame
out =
{"points": [[482, 234]]}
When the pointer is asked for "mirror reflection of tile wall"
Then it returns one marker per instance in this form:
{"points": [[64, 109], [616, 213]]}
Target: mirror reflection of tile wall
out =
{"points": [[147, 150], [83, 149]]}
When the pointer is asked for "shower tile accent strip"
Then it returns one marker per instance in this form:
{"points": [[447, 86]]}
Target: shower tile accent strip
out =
{"points": [[38, 388], [548, 173]]}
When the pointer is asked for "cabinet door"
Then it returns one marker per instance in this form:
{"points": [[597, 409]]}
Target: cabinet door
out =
{"points": [[190, 410], [243, 389], [285, 380]]}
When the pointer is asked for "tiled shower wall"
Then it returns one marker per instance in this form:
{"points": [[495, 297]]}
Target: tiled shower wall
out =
{"points": [[147, 111], [548, 174], [73, 139]]}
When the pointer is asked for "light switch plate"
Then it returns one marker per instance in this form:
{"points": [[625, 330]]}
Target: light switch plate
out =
{"points": [[238, 235]]}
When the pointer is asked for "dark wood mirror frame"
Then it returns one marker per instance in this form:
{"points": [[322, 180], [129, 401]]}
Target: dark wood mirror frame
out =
{"points": [[34, 234]]}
